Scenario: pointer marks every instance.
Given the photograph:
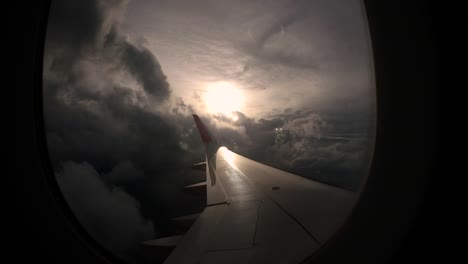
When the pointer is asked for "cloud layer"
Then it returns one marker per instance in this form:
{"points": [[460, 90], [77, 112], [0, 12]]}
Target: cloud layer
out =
{"points": [[317, 51], [335, 149]]}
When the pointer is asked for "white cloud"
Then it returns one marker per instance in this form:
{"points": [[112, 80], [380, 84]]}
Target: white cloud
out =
{"points": [[109, 214]]}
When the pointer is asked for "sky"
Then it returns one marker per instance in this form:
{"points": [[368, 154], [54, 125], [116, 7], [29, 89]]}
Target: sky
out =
{"points": [[286, 83]]}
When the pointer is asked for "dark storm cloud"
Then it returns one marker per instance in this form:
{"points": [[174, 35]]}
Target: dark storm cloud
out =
{"points": [[76, 23], [111, 149], [145, 68], [141, 63], [77, 29], [115, 132], [103, 125], [129, 146], [124, 172]]}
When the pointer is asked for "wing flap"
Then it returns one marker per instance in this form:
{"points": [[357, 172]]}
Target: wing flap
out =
{"points": [[255, 231], [196, 189]]}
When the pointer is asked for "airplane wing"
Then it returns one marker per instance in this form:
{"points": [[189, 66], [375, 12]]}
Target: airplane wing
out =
{"points": [[258, 214]]}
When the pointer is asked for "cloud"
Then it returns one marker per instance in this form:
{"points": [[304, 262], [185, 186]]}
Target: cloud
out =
{"points": [[102, 93], [141, 63], [306, 143], [105, 101], [67, 23], [78, 27], [109, 214], [305, 127], [124, 172], [78, 31], [271, 40]]}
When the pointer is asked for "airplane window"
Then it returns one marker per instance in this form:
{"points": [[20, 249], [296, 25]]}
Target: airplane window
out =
{"points": [[288, 84]]}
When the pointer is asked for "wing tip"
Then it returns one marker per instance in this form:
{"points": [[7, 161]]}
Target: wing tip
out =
{"points": [[202, 130]]}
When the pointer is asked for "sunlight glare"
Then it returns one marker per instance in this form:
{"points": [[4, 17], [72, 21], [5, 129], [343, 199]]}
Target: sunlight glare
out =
{"points": [[223, 98]]}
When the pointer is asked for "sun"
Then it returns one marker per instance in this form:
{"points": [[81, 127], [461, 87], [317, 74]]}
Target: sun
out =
{"points": [[223, 98]]}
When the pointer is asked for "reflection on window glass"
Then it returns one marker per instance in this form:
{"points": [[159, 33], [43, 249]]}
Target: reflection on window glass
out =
{"points": [[285, 83]]}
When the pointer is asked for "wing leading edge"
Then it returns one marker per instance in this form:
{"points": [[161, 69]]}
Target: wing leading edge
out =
{"points": [[258, 214]]}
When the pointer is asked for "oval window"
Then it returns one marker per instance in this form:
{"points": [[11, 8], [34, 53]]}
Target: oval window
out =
{"points": [[287, 89]]}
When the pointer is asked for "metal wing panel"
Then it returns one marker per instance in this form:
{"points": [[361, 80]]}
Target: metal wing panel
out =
{"points": [[250, 226], [318, 207], [248, 231], [193, 244], [259, 214], [234, 185]]}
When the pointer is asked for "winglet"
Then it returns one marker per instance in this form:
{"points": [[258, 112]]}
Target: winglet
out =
{"points": [[211, 144], [204, 132], [215, 193]]}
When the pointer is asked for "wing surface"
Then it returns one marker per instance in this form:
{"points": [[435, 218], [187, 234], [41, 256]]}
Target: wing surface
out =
{"points": [[258, 214]]}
